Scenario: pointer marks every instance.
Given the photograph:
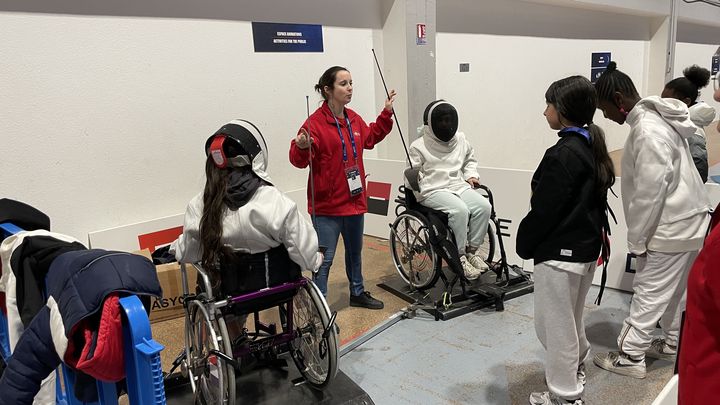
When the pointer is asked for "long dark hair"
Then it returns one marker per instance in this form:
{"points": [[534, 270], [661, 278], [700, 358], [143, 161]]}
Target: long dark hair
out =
{"points": [[328, 79], [613, 80], [211, 227], [695, 78], [576, 100]]}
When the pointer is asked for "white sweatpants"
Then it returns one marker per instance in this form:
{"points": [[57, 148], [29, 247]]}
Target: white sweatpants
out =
{"points": [[659, 286], [559, 305]]}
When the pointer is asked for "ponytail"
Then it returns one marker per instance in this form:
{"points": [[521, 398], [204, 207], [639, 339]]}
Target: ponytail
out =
{"points": [[612, 81], [214, 207], [604, 168]]}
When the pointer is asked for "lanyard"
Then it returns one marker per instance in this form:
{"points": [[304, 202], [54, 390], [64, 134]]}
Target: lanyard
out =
{"points": [[342, 138]]}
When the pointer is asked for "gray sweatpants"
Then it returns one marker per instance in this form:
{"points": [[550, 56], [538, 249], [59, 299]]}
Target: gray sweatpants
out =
{"points": [[468, 210], [559, 305]]}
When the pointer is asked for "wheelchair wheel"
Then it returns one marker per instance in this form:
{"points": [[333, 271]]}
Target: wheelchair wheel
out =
{"points": [[487, 250], [316, 357], [412, 254], [211, 378]]}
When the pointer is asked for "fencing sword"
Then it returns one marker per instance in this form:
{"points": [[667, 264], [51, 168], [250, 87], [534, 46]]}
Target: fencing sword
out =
{"points": [[393, 110], [411, 173]]}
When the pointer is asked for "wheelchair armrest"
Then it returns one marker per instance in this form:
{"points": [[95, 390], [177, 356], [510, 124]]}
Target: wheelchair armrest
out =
{"points": [[203, 276], [411, 175], [488, 192]]}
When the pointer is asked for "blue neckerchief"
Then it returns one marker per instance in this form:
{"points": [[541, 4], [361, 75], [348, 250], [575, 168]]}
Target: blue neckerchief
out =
{"points": [[342, 138], [582, 131]]}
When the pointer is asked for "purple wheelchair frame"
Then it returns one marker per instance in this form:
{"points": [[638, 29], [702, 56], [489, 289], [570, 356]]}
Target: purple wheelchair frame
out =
{"points": [[288, 333], [275, 339]]}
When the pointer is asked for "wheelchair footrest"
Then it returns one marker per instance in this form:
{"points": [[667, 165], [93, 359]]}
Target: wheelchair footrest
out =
{"points": [[299, 381], [487, 291]]}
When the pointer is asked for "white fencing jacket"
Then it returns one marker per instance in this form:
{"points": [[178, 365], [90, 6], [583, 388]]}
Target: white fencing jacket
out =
{"points": [[665, 203], [268, 220], [443, 165]]}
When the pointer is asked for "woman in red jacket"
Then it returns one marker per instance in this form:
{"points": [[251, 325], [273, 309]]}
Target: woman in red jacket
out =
{"points": [[338, 137]]}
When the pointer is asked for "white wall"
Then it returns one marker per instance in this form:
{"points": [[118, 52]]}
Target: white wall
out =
{"points": [[501, 100], [104, 118]]}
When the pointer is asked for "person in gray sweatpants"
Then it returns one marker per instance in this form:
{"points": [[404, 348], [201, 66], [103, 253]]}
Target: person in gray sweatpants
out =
{"points": [[564, 233]]}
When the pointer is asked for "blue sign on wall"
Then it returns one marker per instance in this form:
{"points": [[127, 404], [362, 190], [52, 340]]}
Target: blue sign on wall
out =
{"points": [[715, 63], [275, 37], [599, 62]]}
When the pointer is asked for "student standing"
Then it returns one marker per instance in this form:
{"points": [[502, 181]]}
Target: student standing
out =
{"points": [[686, 89], [666, 211], [564, 232], [338, 137]]}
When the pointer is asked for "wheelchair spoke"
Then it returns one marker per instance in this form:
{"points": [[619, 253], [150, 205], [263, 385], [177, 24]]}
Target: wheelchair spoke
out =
{"points": [[311, 351], [208, 373], [412, 252]]}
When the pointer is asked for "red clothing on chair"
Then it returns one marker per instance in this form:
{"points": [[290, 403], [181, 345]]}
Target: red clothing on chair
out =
{"points": [[699, 356], [100, 352]]}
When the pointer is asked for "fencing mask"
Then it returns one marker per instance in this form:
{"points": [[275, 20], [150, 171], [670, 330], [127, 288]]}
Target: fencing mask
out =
{"points": [[442, 119]]}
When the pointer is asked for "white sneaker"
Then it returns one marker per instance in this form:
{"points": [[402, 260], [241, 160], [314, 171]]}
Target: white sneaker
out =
{"points": [[477, 262], [661, 350], [620, 363], [470, 271], [546, 398], [581, 377]]}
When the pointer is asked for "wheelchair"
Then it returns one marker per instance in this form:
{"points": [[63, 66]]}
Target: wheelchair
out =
{"points": [[421, 240], [212, 356]]}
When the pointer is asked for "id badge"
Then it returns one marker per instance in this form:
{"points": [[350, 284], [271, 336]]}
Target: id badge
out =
{"points": [[353, 177]]}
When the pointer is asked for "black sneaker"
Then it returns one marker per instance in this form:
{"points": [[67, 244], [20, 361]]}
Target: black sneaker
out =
{"points": [[365, 300]]}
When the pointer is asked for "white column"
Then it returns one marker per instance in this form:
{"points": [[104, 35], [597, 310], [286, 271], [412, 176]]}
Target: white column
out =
{"points": [[408, 67], [661, 55]]}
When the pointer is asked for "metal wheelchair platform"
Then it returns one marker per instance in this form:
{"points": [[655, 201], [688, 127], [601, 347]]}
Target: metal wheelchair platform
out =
{"points": [[273, 385], [482, 293]]}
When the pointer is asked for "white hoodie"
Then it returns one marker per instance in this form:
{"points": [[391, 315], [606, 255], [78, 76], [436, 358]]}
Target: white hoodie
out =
{"points": [[665, 203], [268, 220], [443, 165], [702, 115]]}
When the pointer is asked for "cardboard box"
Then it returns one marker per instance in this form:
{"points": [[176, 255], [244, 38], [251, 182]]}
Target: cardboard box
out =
{"points": [[170, 306]]}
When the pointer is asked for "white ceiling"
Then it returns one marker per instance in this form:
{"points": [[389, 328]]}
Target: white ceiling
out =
{"points": [[600, 19]]}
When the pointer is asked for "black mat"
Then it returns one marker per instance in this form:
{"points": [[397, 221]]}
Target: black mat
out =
{"points": [[275, 386], [482, 293]]}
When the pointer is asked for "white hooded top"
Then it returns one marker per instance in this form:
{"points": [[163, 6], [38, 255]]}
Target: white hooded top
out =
{"points": [[443, 165], [665, 203], [702, 114], [268, 220]]}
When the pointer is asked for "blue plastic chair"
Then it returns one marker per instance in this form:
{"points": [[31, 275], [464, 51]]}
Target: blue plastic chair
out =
{"points": [[142, 356]]}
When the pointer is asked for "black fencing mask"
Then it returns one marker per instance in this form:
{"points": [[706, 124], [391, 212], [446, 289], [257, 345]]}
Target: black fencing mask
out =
{"points": [[442, 118]]}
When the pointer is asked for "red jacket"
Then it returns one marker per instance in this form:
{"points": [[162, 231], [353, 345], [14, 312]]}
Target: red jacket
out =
{"points": [[699, 356], [332, 195]]}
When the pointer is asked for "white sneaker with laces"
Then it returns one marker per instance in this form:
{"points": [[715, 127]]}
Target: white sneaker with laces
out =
{"points": [[477, 262], [470, 271], [581, 377], [620, 363], [546, 398], [661, 350]]}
